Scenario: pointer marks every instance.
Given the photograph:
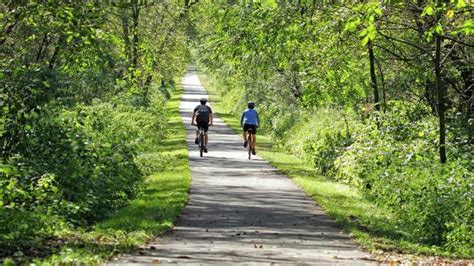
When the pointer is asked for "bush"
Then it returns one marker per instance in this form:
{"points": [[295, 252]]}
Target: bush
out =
{"points": [[322, 137], [29, 209], [76, 166], [397, 167]]}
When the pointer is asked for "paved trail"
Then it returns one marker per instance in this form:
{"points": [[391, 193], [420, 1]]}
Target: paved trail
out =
{"points": [[243, 211]]}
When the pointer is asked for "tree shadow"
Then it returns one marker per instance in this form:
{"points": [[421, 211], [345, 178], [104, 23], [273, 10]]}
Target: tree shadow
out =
{"points": [[349, 214]]}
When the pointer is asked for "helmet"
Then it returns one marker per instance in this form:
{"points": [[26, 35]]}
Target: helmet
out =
{"points": [[203, 100], [251, 105]]}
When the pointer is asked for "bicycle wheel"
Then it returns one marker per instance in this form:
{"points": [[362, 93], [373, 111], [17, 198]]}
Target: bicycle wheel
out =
{"points": [[201, 143]]}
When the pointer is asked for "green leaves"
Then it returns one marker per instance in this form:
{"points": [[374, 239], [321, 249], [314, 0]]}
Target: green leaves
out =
{"points": [[364, 18], [429, 10], [468, 27], [460, 3], [352, 25], [267, 3], [451, 18], [368, 34]]}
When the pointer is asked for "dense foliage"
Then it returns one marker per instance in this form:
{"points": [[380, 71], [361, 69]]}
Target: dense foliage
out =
{"points": [[82, 90], [378, 95], [375, 94]]}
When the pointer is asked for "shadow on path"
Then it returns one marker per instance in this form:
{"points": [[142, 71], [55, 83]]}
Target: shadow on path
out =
{"points": [[244, 211]]}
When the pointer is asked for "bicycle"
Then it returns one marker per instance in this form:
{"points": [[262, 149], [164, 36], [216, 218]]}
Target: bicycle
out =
{"points": [[201, 143]]}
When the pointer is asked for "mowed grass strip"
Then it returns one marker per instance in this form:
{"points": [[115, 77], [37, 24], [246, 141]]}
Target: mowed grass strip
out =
{"points": [[150, 214], [371, 226]]}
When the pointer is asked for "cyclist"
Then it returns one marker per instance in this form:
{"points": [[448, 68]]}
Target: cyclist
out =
{"points": [[249, 123], [202, 118]]}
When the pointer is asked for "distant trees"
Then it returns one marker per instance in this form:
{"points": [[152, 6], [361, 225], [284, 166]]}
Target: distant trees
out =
{"points": [[415, 50]]}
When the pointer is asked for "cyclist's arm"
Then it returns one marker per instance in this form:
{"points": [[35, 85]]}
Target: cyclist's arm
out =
{"points": [[242, 120], [211, 118], [193, 122]]}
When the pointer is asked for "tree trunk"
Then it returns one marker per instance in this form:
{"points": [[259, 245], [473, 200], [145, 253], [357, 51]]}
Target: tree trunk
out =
{"points": [[40, 50], [55, 53], [373, 77], [441, 99]]}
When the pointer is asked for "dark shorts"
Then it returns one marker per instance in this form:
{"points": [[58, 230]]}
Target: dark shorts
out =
{"points": [[250, 128], [203, 125]]}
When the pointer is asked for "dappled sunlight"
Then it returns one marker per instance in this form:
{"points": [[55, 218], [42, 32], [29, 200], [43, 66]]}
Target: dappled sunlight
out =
{"points": [[243, 210]]}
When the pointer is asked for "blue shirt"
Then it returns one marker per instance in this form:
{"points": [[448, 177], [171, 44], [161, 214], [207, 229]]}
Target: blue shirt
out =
{"points": [[249, 117]]}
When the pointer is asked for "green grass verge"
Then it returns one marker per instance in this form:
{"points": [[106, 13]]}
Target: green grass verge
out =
{"points": [[150, 214], [369, 225]]}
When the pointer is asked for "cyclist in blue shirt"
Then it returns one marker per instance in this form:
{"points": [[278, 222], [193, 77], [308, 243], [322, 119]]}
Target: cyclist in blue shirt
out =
{"points": [[249, 123]]}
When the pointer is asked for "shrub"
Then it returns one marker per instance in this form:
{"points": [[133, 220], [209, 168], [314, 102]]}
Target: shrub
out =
{"points": [[76, 166], [322, 137], [90, 164], [397, 167], [29, 209]]}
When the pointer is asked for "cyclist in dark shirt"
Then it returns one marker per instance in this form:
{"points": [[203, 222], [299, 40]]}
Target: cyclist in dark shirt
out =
{"points": [[202, 118]]}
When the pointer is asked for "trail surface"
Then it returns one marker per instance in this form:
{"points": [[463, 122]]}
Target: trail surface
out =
{"points": [[243, 211]]}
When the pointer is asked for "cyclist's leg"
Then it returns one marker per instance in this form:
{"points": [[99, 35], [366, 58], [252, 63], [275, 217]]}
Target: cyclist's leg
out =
{"points": [[199, 126], [196, 141], [254, 140], [205, 127], [245, 134], [206, 140]]}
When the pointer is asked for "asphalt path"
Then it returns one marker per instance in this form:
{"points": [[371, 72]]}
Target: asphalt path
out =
{"points": [[244, 211]]}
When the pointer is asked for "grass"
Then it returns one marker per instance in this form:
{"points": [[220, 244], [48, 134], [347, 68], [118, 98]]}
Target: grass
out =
{"points": [[369, 225], [150, 214]]}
